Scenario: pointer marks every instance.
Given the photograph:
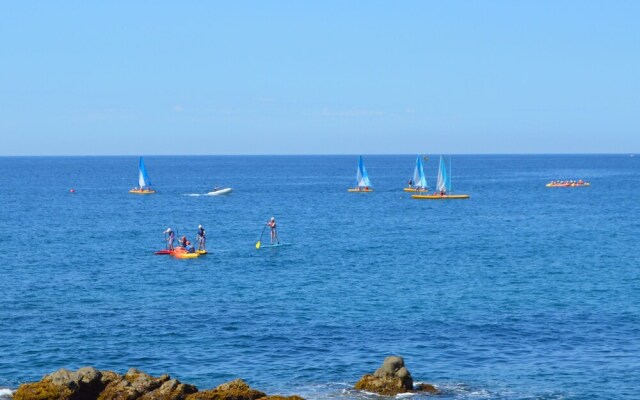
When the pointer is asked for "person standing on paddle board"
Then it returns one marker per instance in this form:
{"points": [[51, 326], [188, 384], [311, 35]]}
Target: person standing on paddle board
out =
{"points": [[171, 236], [202, 238], [274, 235]]}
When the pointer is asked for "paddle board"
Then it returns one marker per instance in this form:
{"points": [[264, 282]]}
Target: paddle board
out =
{"points": [[262, 246]]}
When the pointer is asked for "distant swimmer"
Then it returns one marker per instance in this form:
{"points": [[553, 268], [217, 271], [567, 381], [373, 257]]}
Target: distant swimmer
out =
{"points": [[201, 237], [274, 235], [170, 236]]}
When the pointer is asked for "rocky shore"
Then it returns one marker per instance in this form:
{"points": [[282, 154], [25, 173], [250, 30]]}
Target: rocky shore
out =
{"points": [[88, 383]]}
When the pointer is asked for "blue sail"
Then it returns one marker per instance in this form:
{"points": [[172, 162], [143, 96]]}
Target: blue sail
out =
{"points": [[444, 181], [143, 178], [362, 178], [419, 178]]}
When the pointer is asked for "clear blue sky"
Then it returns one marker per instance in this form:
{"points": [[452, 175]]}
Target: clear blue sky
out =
{"points": [[300, 77]]}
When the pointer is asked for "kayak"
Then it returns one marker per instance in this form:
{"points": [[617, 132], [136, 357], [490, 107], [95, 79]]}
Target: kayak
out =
{"points": [[415, 190], [272, 245], [180, 252], [358, 190], [439, 197], [161, 252], [201, 252], [219, 192], [186, 255], [142, 191]]}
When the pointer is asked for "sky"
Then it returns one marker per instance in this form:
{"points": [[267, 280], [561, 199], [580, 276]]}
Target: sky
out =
{"points": [[319, 77]]}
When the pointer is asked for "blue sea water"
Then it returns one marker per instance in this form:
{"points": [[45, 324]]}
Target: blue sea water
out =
{"points": [[520, 292]]}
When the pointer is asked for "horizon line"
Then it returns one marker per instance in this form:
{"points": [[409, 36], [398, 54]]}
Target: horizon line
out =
{"points": [[313, 154]]}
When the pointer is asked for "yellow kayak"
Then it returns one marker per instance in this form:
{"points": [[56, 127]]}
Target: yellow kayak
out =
{"points": [[358, 190], [186, 255], [142, 191], [201, 252], [439, 197], [413, 190]]}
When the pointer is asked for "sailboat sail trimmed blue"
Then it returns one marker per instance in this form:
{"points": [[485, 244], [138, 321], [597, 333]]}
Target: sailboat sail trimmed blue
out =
{"points": [[444, 181], [419, 178], [362, 178], [143, 178]]}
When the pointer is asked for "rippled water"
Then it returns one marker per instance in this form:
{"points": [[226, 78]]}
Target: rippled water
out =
{"points": [[521, 292]]}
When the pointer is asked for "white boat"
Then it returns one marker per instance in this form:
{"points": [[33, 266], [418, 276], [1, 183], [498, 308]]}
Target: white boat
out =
{"points": [[219, 192]]}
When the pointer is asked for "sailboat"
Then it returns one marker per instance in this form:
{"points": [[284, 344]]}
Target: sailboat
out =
{"points": [[419, 179], [143, 181], [443, 187], [363, 185]]}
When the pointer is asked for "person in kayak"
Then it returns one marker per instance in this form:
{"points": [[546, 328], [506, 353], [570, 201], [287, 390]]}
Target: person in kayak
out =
{"points": [[274, 235], [184, 241], [202, 238], [189, 247], [170, 236]]}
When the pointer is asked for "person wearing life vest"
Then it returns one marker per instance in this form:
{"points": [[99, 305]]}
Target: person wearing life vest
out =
{"points": [[274, 234], [189, 247]]}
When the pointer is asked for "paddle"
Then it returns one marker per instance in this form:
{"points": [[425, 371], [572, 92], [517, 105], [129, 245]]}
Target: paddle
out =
{"points": [[260, 240]]}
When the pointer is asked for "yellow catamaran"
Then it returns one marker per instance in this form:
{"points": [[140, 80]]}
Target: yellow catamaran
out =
{"points": [[443, 187]]}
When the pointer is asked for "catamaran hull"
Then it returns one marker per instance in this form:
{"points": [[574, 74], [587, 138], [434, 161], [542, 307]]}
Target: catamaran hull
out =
{"points": [[142, 191], [439, 197], [413, 190], [356, 190], [220, 192]]}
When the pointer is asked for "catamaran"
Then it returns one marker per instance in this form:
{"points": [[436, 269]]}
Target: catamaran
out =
{"points": [[443, 187], [363, 185], [143, 181], [419, 181]]}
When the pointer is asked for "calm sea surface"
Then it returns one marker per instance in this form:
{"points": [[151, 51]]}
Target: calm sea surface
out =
{"points": [[521, 292]]}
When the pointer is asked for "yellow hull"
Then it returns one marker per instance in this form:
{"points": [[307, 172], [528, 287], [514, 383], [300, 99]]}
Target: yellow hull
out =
{"points": [[356, 190], [147, 191], [201, 252], [186, 255], [412, 190], [439, 197]]}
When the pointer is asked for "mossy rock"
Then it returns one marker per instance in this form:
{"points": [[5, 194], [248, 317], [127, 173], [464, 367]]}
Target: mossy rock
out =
{"points": [[43, 390], [234, 390], [384, 386]]}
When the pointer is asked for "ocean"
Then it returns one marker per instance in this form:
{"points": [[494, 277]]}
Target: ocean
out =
{"points": [[520, 292]]}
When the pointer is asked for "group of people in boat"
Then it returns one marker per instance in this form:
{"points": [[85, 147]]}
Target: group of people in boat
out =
{"points": [[201, 239], [579, 182]]}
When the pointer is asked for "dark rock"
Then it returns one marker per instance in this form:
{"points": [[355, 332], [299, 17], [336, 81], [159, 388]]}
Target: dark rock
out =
{"points": [[425, 387]]}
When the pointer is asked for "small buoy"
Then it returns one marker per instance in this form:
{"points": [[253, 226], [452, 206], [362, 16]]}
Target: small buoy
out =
{"points": [[72, 190]]}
